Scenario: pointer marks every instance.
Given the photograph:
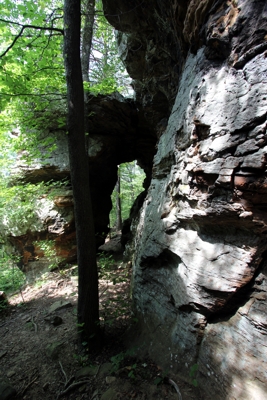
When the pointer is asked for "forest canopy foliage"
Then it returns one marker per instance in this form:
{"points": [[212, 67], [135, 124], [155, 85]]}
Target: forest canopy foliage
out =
{"points": [[32, 76]]}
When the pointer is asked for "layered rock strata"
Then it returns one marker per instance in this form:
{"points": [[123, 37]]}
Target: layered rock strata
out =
{"points": [[199, 269]]}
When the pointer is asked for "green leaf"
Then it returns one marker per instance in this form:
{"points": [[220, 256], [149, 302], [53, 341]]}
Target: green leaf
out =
{"points": [[193, 370]]}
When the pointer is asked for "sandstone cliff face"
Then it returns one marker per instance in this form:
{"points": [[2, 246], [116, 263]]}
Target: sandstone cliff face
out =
{"points": [[200, 263]]}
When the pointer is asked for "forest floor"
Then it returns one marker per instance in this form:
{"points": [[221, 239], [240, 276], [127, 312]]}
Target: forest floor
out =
{"points": [[39, 352]]}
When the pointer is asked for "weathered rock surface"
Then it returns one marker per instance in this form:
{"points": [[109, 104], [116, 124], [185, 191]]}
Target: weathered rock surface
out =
{"points": [[199, 269]]}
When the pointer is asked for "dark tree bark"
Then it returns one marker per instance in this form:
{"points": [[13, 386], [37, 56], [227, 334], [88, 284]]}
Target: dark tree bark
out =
{"points": [[88, 299]]}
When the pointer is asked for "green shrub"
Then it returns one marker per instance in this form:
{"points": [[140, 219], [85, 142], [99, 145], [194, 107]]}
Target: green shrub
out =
{"points": [[11, 277]]}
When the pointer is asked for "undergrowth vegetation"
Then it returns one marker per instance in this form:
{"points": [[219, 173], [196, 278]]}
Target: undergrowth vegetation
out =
{"points": [[11, 277]]}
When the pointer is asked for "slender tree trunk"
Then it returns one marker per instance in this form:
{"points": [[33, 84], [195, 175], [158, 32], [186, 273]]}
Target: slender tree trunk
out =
{"points": [[132, 175], [88, 300], [87, 38], [118, 205]]}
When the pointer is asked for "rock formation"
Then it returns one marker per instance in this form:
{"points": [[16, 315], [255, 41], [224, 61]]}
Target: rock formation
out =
{"points": [[200, 261]]}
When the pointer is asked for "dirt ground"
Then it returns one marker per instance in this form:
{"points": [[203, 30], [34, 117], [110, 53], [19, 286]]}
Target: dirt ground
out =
{"points": [[39, 353]]}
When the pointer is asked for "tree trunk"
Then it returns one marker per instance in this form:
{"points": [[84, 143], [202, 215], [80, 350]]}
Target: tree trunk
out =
{"points": [[132, 176], [118, 205], [88, 300], [87, 37]]}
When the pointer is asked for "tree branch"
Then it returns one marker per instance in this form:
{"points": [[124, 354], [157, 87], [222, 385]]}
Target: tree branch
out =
{"points": [[13, 43], [42, 28], [54, 12], [57, 95]]}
